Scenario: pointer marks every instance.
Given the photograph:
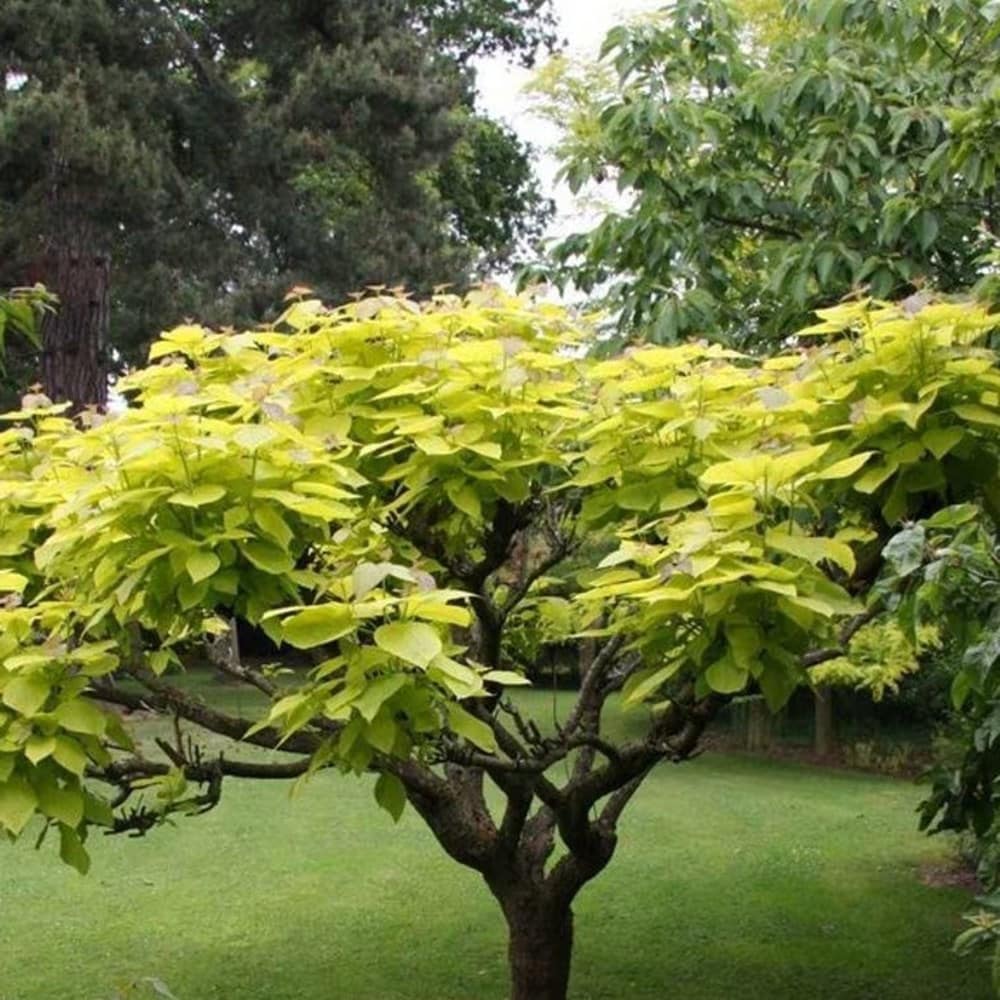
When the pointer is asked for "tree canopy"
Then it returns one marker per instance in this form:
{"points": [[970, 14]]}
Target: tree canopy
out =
{"points": [[394, 488], [168, 160], [772, 159]]}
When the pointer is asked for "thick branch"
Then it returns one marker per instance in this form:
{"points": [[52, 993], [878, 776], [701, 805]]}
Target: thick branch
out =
{"points": [[591, 695], [164, 698], [130, 768]]}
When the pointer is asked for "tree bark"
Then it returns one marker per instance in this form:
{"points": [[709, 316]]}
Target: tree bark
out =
{"points": [[540, 946], [74, 339], [825, 737]]}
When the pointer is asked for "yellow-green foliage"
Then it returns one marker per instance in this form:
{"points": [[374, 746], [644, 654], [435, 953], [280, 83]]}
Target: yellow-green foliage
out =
{"points": [[878, 657], [264, 474]]}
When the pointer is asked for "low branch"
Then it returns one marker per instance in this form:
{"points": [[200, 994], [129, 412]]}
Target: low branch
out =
{"points": [[758, 225], [817, 656], [165, 699], [131, 768]]}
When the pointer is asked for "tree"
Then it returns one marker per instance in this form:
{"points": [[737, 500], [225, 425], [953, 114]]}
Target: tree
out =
{"points": [[945, 570], [773, 159], [162, 160], [394, 488]]}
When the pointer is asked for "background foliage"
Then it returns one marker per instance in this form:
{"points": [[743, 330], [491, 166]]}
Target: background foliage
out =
{"points": [[771, 159]]}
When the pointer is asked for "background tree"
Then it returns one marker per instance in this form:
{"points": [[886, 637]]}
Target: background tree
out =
{"points": [[394, 488], [160, 160], [772, 159]]}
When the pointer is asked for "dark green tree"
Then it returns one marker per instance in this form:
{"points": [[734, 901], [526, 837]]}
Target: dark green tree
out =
{"points": [[773, 158], [163, 159]]}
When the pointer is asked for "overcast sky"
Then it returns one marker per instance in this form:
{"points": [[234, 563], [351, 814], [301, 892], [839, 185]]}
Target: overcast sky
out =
{"points": [[583, 24]]}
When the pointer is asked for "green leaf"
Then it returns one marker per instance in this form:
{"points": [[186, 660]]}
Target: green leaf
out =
{"points": [[726, 676], [200, 496], [641, 685], [267, 557], [505, 677], [961, 687], [464, 496], [318, 625], [69, 755], [941, 440], [812, 549], [777, 684], [202, 564], [79, 716], [978, 414], [381, 733], [17, 804], [12, 581], [39, 747], [367, 576], [468, 726], [953, 517], [390, 794], [844, 468], [96, 810], [413, 642], [72, 851], [377, 693], [273, 525], [874, 477], [63, 804], [460, 680], [904, 552], [927, 228], [745, 642], [26, 693]]}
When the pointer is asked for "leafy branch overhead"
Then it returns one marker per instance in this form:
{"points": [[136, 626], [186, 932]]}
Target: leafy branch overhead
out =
{"points": [[391, 485], [770, 158]]}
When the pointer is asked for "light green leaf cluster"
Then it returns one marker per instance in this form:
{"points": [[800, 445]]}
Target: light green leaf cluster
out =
{"points": [[749, 496], [331, 478]]}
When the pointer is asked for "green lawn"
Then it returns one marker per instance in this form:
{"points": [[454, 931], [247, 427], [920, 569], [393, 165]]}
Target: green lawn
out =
{"points": [[734, 878]]}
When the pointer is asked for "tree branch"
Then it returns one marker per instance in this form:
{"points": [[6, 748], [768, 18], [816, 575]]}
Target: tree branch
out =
{"points": [[164, 698], [817, 656]]}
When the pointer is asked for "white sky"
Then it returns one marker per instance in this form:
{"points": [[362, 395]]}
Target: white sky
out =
{"points": [[583, 24]]}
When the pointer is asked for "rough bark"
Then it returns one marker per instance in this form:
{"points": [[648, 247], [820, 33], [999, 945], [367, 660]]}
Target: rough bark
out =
{"points": [[74, 339], [540, 946]]}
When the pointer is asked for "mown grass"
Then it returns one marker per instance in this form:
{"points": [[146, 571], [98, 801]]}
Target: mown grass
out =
{"points": [[734, 878]]}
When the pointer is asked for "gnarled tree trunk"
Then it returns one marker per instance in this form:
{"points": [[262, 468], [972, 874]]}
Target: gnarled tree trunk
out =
{"points": [[74, 339]]}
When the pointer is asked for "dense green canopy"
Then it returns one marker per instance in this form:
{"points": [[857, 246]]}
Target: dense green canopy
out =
{"points": [[211, 154], [774, 157]]}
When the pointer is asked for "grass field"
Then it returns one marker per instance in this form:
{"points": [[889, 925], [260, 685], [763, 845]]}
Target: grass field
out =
{"points": [[735, 878]]}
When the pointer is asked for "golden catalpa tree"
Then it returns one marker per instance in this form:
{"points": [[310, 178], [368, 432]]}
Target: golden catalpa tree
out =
{"points": [[402, 497]]}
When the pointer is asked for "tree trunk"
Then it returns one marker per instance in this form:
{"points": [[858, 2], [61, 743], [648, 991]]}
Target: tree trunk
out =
{"points": [[74, 339], [825, 737], [540, 948]]}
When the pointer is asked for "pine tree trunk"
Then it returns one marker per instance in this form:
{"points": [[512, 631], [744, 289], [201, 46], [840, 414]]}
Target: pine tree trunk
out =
{"points": [[825, 737], [74, 339], [540, 948]]}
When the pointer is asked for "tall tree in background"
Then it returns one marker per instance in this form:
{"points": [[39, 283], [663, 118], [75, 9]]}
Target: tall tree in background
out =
{"points": [[163, 159], [772, 158]]}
